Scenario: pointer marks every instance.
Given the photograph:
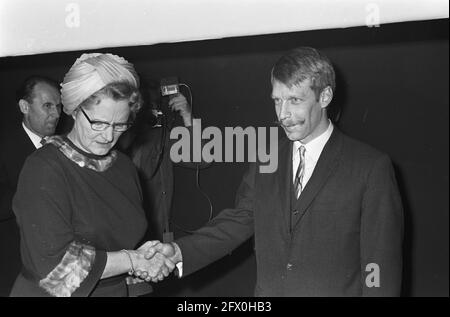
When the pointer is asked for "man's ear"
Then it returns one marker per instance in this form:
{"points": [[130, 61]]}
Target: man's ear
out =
{"points": [[24, 106], [326, 96]]}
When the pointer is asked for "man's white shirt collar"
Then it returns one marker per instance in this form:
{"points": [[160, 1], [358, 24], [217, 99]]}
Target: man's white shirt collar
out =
{"points": [[315, 146], [36, 139], [313, 150]]}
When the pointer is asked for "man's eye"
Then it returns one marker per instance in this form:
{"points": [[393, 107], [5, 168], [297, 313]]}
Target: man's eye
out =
{"points": [[296, 101], [277, 101]]}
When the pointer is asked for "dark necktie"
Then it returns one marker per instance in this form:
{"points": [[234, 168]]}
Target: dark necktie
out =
{"points": [[43, 141], [300, 172]]}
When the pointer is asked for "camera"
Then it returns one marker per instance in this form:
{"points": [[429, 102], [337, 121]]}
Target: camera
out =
{"points": [[169, 86]]}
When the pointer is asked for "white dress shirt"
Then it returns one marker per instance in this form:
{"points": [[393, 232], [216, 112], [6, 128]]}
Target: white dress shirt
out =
{"points": [[36, 139], [313, 149]]}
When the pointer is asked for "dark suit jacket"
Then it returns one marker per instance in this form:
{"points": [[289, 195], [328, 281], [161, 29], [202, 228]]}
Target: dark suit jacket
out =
{"points": [[15, 146], [348, 216]]}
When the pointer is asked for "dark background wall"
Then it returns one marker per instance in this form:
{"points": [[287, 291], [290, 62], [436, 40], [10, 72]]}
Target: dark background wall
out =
{"points": [[392, 92]]}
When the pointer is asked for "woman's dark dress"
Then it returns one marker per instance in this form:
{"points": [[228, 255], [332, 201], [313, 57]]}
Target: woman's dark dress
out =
{"points": [[76, 213]]}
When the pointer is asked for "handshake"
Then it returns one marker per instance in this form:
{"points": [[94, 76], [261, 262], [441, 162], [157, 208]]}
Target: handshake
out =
{"points": [[152, 261]]}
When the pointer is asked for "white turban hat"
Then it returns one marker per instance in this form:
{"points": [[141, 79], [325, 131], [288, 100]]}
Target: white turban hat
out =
{"points": [[92, 72]]}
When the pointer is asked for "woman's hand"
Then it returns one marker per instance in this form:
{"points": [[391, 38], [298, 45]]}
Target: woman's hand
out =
{"points": [[152, 269]]}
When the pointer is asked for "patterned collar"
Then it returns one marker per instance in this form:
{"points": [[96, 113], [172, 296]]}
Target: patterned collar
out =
{"points": [[72, 153]]}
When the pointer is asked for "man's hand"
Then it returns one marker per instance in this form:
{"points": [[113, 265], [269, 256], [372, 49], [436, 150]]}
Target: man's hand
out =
{"points": [[170, 250], [153, 268], [179, 103]]}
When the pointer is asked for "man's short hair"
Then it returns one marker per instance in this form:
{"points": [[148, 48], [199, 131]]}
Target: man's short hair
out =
{"points": [[25, 90], [305, 63]]}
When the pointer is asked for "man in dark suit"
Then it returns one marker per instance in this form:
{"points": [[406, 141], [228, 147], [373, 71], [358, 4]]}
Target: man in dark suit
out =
{"points": [[39, 101], [329, 221]]}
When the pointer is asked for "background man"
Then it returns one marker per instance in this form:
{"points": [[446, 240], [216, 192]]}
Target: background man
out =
{"points": [[39, 101], [148, 144]]}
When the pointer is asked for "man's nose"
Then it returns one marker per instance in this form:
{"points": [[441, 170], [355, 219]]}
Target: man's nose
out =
{"points": [[55, 111], [284, 111]]}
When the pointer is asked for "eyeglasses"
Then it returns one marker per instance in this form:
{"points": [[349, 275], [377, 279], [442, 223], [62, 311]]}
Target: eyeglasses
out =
{"points": [[102, 126]]}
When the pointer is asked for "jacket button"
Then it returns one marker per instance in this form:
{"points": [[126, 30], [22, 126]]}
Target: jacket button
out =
{"points": [[289, 266], [295, 212]]}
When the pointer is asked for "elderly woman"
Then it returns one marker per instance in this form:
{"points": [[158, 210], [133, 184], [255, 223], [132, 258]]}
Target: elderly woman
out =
{"points": [[78, 202]]}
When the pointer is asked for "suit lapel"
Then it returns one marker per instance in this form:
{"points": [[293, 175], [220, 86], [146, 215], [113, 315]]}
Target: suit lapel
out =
{"points": [[17, 145], [328, 160], [27, 147], [283, 181]]}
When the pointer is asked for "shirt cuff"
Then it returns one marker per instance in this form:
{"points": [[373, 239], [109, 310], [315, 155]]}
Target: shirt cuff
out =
{"points": [[178, 255], [180, 269]]}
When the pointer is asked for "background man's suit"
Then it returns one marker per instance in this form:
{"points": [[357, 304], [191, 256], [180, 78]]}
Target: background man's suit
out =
{"points": [[348, 215], [15, 146]]}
